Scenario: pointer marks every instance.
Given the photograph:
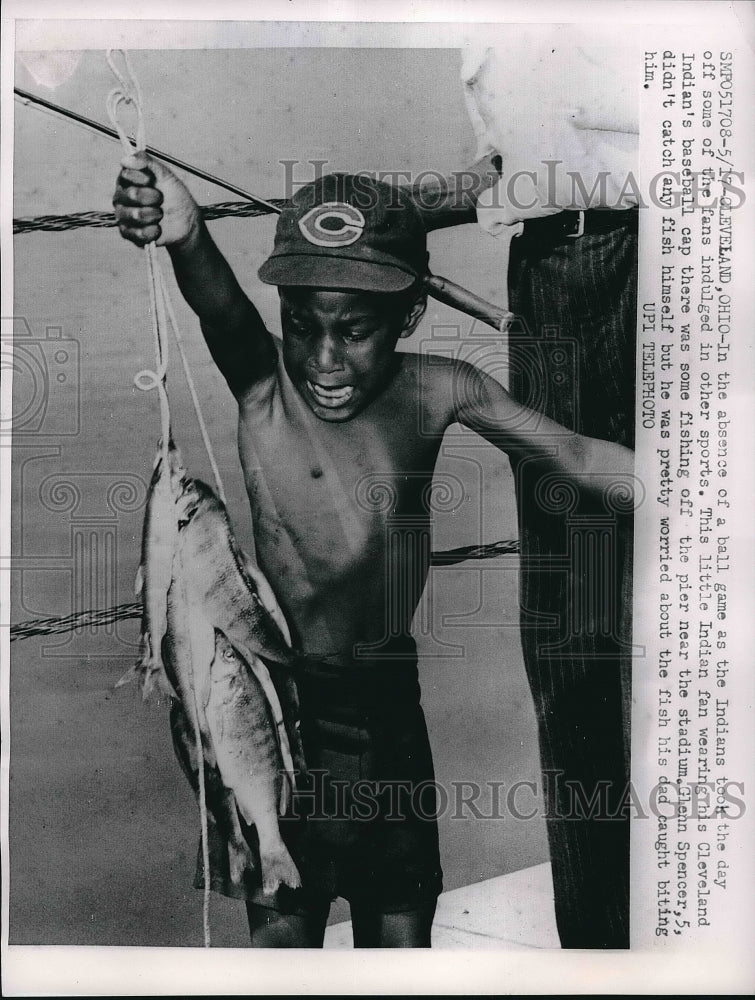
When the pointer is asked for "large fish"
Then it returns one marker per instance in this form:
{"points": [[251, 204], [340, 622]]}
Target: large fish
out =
{"points": [[235, 710], [245, 739], [220, 581], [234, 596], [188, 650]]}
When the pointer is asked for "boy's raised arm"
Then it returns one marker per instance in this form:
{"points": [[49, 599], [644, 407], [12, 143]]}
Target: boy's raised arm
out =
{"points": [[482, 404], [152, 205]]}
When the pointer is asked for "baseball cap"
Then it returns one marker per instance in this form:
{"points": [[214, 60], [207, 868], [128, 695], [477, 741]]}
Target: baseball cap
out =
{"points": [[348, 231]]}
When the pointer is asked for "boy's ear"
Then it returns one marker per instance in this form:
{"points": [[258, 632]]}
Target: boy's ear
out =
{"points": [[414, 315]]}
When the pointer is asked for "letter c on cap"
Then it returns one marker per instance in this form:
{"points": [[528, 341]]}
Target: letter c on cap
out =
{"points": [[346, 224]]}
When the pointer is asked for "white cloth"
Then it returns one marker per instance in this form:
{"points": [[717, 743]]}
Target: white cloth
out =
{"points": [[554, 94]]}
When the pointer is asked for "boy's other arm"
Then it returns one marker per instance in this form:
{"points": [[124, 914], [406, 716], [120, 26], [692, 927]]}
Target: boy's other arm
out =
{"points": [[482, 404], [152, 205]]}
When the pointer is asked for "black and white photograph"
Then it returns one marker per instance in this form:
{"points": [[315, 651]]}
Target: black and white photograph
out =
{"points": [[376, 561]]}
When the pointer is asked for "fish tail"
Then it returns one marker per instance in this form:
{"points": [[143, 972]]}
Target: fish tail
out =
{"points": [[278, 868], [129, 677], [148, 671], [140, 668], [155, 679], [149, 678]]}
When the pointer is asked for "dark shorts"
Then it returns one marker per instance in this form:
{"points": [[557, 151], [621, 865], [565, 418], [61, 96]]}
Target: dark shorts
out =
{"points": [[363, 821]]}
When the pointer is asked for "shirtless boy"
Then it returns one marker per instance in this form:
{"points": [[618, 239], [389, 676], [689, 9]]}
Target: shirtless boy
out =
{"points": [[338, 438]]}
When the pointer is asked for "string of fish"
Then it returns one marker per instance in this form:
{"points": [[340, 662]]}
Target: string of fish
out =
{"points": [[128, 92]]}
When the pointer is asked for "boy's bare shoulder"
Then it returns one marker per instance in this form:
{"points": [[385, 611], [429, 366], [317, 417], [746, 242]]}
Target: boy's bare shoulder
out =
{"points": [[441, 381], [453, 391], [430, 381], [438, 370]]}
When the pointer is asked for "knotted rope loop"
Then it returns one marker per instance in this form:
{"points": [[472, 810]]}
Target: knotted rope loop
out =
{"points": [[146, 380], [128, 93]]}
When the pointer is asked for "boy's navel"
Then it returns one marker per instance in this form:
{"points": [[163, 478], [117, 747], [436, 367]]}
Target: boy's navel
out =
{"points": [[316, 472]]}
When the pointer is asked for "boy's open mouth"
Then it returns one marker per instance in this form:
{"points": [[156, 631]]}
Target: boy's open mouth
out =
{"points": [[331, 397]]}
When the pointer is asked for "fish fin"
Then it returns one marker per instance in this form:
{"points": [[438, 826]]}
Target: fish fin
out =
{"points": [[288, 765], [139, 581], [278, 868], [149, 673], [266, 595], [286, 792], [262, 674], [284, 800], [131, 675]]}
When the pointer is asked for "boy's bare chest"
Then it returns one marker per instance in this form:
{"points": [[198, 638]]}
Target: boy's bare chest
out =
{"points": [[322, 494]]}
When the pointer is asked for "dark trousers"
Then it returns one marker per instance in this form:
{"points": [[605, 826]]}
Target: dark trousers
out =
{"points": [[573, 358]]}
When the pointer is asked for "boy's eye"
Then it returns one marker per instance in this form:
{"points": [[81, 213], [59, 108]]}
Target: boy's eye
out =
{"points": [[299, 328], [357, 335]]}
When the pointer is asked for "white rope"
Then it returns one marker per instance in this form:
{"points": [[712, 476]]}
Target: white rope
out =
{"points": [[146, 380], [192, 388], [129, 93]]}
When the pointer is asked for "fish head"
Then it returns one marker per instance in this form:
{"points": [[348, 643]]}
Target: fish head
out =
{"points": [[175, 467], [227, 664]]}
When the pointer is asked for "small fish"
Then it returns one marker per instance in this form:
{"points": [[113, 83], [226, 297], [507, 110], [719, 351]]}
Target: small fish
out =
{"points": [[153, 578], [245, 738]]}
